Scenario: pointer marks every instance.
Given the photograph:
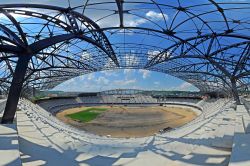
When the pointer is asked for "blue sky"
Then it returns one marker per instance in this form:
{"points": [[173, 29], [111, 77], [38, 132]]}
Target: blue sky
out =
{"points": [[128, 78]]}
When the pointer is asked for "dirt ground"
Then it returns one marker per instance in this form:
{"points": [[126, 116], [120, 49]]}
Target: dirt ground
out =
{"points": [[121, 121]]}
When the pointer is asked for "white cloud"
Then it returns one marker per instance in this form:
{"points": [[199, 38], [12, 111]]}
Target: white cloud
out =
{"points": [[109, 73], [91, 76], [86, 56], [152, 54], [151, 15], [124, 82], [163, 56], [131, 60], [184, 86], [136, 22], [145, 73], [156, 16], [102, 80], [109, 63], [128, 71], [157, 83], [70, 81]]}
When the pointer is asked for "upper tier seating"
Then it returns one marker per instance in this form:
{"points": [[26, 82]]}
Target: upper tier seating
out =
{"points": [[55, 105], [187, 100]]}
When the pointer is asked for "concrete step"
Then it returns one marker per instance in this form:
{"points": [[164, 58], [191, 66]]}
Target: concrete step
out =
{"points": [[9, 145], [241, 150]]}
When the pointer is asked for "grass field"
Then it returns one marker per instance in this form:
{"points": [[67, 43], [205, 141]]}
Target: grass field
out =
{"points": [[86, 115]]}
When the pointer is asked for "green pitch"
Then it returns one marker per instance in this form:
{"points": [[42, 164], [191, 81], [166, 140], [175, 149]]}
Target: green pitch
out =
{"points": [[86, 115]]}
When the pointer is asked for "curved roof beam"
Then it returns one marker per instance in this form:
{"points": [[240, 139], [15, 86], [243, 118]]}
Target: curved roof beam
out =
{"points": [[16, 24], [119, 4], [12, 36], [203, 39], [98, 34]]}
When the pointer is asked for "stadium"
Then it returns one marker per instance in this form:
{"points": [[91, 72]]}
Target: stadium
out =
{"points": [[204, 43]]}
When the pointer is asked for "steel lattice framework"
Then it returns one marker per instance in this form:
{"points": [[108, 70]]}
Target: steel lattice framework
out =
{"points": [[203, 42]]}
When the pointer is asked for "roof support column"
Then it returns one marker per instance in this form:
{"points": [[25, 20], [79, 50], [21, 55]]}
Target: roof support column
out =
{"points": [[233, 80], [15, 89], [235, 91]]}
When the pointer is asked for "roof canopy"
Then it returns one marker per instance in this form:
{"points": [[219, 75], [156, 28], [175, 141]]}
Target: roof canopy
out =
{"points": [[203, 42]]}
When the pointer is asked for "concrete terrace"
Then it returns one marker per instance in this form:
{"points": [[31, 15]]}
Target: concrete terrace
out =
{"points": [[209, 141]]}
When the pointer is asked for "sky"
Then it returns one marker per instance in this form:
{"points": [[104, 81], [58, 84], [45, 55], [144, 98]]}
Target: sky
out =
{"points": [[125, 79]]}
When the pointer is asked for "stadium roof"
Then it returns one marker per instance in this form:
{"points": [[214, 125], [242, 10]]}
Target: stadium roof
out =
{"points": [[204, 42]]}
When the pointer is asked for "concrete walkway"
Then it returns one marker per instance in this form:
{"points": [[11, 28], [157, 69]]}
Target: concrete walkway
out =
{"points": [[240, 155], [9, 148]]}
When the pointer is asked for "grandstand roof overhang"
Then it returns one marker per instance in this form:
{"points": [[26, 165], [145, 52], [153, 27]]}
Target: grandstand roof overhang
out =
{"points": [[202, 42]]}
